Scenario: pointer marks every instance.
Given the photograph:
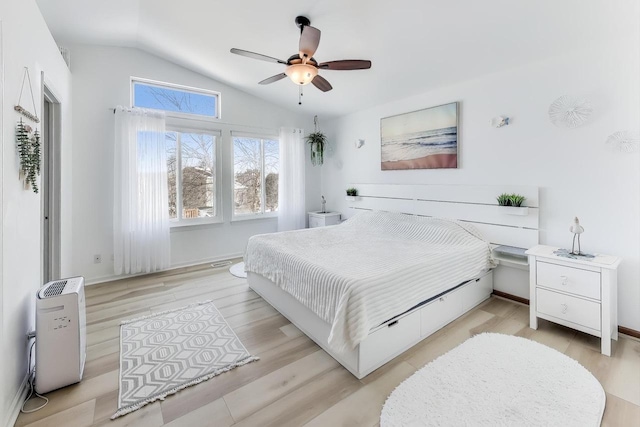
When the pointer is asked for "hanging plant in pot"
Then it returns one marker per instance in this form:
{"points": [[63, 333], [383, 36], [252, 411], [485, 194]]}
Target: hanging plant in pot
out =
{"points": [[317, 141]]}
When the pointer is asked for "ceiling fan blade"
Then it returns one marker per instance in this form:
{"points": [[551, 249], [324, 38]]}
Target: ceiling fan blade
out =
{"points": [[346, 64], [257, 56], [273, 79], [321, 83], [309, 41]]}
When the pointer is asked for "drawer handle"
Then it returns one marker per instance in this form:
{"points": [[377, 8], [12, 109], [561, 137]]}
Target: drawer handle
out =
{"points": [[565, 279], [565, 307], [394, 323]]}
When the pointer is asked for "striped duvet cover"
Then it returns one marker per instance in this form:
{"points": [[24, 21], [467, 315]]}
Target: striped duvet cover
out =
{"points": [[369, 269]]}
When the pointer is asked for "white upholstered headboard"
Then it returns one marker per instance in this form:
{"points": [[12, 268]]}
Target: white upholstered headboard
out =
{"points": [[470, 203]]}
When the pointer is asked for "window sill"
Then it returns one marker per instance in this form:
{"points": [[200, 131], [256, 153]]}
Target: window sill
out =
{"points": [[243, 218], [184, 225]]}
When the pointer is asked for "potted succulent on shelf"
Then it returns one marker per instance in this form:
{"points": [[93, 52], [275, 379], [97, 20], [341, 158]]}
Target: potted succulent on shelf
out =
{"points": [[513, 204], [352, 194]]}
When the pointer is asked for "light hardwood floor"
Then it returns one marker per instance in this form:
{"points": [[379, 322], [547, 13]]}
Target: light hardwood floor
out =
{"points": [[295, 383]]}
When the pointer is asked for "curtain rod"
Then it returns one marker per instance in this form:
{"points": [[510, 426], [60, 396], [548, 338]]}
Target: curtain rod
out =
{"points": [[217, 122]]}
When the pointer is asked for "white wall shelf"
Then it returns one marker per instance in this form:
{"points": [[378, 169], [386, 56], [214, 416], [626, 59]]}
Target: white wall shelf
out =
{"points": [[514, 210], [510, 261], [511, 257]]}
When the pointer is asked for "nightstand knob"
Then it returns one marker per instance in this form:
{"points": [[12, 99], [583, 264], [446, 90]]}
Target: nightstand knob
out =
{"points": [[564, 280], [564, 308]]}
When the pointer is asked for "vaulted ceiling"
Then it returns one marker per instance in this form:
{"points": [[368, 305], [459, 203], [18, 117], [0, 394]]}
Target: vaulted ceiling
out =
{"points": [[415, 45]]}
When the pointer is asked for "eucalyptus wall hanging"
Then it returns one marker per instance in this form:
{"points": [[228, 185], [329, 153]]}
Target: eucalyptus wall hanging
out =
{"points": [[317, 141], [28, 140]]}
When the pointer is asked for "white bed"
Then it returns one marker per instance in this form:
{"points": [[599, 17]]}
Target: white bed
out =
{"points": [[371, 288], [377, 265]]}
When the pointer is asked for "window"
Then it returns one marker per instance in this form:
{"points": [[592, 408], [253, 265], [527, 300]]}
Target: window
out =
{"points": [[176, 99], [255, 171], [192, 174]]}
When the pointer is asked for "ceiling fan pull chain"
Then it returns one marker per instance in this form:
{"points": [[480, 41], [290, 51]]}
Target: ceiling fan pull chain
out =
{"points": [[299, 95]]}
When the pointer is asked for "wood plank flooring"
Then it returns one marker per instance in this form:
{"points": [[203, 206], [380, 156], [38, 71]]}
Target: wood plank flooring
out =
{"points": [[295, 383]]}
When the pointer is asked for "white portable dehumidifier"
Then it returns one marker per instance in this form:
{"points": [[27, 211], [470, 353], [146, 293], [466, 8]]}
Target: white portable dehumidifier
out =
{"points": [[60, 334]]}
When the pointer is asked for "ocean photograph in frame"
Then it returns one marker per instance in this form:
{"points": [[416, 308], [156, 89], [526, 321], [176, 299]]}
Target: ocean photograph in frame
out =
{"points": [[424, 139]]}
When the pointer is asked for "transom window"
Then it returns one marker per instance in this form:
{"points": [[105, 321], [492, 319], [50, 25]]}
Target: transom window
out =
{"points": [[255, 171], [192, 173], [175, 99]]}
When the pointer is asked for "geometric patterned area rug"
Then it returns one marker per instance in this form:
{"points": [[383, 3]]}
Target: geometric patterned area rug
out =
{"points": [[166, 352]]}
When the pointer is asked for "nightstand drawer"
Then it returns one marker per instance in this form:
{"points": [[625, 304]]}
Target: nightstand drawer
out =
{"points": [[314, 221], [567, 279], [322, 219], [571, 309]]}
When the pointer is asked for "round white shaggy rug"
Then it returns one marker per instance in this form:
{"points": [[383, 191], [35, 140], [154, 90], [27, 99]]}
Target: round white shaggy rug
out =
{"points": [[238, 270], [497, 380]]}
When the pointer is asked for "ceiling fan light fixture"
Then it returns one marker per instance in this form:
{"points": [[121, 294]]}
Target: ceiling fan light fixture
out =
{"points": [[301, 74], [301, 67]]}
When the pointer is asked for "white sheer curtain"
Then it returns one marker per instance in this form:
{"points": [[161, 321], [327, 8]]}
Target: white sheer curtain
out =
{"points": [[141, 196], [291, 186]]}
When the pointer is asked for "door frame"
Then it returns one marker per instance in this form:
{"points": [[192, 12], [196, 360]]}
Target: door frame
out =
{"points": [[50, 184]]}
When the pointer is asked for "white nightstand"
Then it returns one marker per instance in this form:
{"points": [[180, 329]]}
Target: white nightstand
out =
{"points": [[576, 293], [320, 219]]}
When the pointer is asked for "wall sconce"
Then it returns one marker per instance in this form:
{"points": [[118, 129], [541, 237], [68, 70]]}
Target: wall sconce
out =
{"points": [[359, 143], [498, 122]]}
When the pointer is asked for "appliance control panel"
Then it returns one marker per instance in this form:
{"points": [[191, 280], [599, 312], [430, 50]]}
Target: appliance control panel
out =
{"points": [[59, 323]]}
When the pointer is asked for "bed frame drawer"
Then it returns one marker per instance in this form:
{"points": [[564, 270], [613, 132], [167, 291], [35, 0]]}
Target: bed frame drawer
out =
{"points": [[438, 313], [385, 341], [476, 292]]}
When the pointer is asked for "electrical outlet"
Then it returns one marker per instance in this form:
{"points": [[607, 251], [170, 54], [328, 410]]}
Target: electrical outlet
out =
{"points": [[97, 259]]}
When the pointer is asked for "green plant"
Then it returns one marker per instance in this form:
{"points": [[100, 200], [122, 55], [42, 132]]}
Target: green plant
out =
{"points": [[517, 200], [352, 191], [317, 140], [510, 200], [29, 154], [504, 199]]}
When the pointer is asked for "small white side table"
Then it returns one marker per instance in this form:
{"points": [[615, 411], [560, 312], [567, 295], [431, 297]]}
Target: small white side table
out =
{"points": [[577, 293], [321, 219]]}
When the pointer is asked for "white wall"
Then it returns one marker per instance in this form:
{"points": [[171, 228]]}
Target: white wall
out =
{"points": [[101, 81], [26, 43], [576, 173], [4, 391]]}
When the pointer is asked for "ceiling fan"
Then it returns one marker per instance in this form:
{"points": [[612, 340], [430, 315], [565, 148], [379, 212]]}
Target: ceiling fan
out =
{"points": [[302, 67]]}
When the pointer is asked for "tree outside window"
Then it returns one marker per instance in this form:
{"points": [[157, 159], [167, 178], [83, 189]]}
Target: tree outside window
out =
{"points": [[255, 175], [191, 164]]}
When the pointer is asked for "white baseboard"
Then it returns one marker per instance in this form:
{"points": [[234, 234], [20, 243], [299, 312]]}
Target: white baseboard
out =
{"points": [[112, 278], [16, 403]]}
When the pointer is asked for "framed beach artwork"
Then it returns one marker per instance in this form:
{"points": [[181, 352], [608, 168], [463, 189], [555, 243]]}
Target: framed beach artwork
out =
{"points": [[424, 139]]}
